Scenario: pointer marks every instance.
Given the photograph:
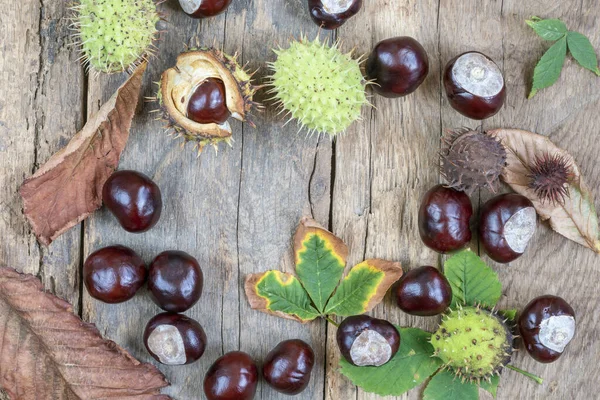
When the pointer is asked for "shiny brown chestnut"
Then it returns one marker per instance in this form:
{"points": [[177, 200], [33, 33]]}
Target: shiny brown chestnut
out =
{"points": [[397, 66], [114, 274], [204, 8], [207, 104], [424, 291], [474, 85], [175, 281], [367, 341], [444, 218], [506, 225], [331, 14], [134, 199], [174, 339], [547, 325], [288, 366], [233, 376]]}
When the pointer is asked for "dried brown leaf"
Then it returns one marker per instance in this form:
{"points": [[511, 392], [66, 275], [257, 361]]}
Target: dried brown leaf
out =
{"points": [[68, 188], [47, 352], [576, 219]]}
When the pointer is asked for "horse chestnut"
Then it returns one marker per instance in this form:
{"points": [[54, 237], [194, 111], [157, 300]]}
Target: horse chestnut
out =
{"points": [[444, 218], [547, 325], [423, 291], [506, 225], [174, 339], [175, 281], [331, 14], [207, 104], [474, 85], [288, 366], [114, 274], [134, 199], [397, 66], [204, 8], [367, 341], [233, 376]]}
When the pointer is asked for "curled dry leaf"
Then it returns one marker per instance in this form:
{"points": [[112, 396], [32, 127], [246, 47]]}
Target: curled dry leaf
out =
{"points": [[68, 188], [576, 217], [47, 352]]}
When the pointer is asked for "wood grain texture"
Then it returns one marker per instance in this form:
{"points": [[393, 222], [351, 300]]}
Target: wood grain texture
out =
{"points": [[236, 211]]}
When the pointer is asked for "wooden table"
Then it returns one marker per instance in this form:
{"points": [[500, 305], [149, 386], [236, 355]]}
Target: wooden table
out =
{"points": [[236, 211]]}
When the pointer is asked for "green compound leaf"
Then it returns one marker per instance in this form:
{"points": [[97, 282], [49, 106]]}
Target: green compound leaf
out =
{"points": [[491, 386], [410, 367], [446, 386], [280, 294], [583, 52], [364, 287], [548, 29], [320, 261], [472, 281], [548, 69]]}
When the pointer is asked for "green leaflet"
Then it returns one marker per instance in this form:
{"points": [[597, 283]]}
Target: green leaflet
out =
{"points": [[582, 51], [410, 367], [548, 69], [492, 386], [445, 386], [472, 281], [548, 29]]}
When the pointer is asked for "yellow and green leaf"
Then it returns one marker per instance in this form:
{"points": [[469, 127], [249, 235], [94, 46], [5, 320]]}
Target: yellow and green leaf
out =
{"points": [[280, 294], [320, 261], [364, 287]]}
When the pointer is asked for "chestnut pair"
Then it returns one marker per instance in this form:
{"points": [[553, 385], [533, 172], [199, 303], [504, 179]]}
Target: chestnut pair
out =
{"points": [[506, 224]]}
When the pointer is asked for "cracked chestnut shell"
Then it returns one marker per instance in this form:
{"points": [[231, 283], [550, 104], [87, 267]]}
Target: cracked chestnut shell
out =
{"points": [[174, 339], [134, 199], [175, 281], [204, 8], [331, 14], [397, 66], [506, 225], [234, 376], [444, 217], [424, 291], [474, 85], [547, 325], [288, 366], [114, 274], [367, 341]]}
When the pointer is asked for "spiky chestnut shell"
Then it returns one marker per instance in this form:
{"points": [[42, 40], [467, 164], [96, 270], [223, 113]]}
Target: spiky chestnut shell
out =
{"points": [[471, 160], [473, 342], [318, 85], [178, 85], [549, 177], [115, 34]]}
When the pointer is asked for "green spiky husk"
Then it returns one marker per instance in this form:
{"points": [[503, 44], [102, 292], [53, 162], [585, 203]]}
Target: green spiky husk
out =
{"points": [[318, 85], [473, 342], [115, 34]]}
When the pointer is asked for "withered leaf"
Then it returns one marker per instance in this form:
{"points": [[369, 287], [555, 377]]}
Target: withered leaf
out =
{"points": [[576, 218], [47, 352], [68, 188]]}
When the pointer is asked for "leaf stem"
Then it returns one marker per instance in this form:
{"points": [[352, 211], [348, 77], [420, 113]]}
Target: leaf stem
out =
{"points": [[332, 322], [527, 374]]}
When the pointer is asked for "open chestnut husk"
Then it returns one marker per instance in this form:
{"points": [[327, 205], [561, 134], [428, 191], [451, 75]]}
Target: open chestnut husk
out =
{"points": [[201, 92], [366, 341], [331, 14], [204, 8], [444, 217], [474, 85], [397, 66], [234, 376], [288, 366], [506, 225], [174, 339], [547, 325], [423, 291]]}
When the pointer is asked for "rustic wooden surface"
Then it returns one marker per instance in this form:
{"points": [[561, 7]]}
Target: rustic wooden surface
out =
{"points": [[236, 211]]}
